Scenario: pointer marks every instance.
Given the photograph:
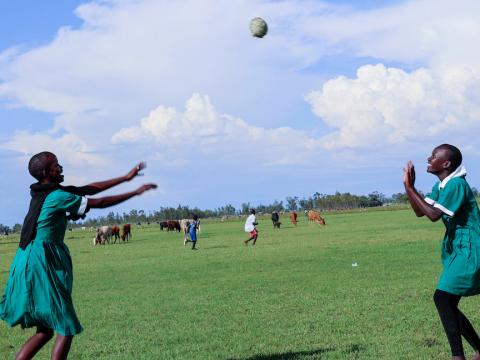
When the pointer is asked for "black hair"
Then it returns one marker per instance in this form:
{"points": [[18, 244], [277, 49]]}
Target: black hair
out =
{"points": [[195, 217], [39, 163], [252, 211], [454, 155]]}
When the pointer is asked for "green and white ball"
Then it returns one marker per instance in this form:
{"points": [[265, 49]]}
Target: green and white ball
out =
{"points": [[258, 27]]}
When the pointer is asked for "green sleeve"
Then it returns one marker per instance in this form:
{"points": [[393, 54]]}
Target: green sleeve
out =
{"points": [[432, 197], [67, 202], [452, 197]]}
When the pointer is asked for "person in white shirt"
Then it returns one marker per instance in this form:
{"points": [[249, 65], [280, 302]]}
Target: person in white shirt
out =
{"points": [[250, 227]]}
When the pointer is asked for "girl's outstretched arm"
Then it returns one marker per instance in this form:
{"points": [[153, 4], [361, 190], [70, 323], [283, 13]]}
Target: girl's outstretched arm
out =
{"points": [[95, 188], [419, 205], [107, 201]]}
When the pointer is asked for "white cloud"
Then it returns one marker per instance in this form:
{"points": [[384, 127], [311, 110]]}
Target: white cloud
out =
{"points": [[432, 32], [129, 57], [388, 105], [68, 147], [201, 129], [382, 105]]}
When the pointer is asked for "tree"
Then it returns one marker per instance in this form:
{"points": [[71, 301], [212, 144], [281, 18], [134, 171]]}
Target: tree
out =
{"points": [[229, 209], [245, 208], [111, 217], [400, 198], [292, 203]]}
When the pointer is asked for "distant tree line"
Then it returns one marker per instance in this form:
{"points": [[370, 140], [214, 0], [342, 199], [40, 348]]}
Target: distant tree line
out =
{"points": [[318, 201]]}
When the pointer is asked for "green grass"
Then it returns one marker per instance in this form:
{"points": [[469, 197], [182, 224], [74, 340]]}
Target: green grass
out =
{"points": [[295, 295]]}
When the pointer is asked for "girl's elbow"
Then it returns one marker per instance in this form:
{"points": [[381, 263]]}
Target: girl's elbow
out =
{"points": [[435, 217]]}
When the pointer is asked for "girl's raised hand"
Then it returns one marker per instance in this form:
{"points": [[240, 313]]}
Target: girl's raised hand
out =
{"points": [[145, 187], [409, 174], [135, 171]]}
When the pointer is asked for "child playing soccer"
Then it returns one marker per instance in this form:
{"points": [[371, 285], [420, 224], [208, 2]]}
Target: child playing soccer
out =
{"points": [[452, 200], [39, 287], [250, 227]]}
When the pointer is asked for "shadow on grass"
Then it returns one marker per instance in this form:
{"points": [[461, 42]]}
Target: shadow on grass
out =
{"points": [[291, 355], [215, 247]]}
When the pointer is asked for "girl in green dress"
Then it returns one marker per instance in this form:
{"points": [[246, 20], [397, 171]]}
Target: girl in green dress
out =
{"points": [[452, 200], [39, 288]]}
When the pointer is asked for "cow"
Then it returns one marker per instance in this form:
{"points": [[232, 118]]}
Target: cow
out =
{"points": [[276, 220], [173, 225], [199, 229], [127, 234], [104, 234], [163, 225], [293, 218], [115, 233], [315, 217], [184, 223]]}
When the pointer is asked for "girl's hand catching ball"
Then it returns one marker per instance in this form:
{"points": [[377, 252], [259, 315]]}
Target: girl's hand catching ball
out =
{"points": [[409, 174], [145, 187], [135, 171]]}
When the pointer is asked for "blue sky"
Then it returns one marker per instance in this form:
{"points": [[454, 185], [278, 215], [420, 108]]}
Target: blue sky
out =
{"points": [[337, 96]]}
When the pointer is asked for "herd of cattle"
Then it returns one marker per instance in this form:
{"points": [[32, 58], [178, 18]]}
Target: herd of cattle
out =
{"points": [[110, 234], [105, 234], [178, 225], [312, 215]]}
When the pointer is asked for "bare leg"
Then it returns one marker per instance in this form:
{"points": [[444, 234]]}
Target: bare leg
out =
{"points": [[255, 239], [61, 347], [246, 241], [35, 343]]}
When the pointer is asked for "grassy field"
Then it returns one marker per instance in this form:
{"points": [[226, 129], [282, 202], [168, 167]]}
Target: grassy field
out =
{"points": [[295, 295]]}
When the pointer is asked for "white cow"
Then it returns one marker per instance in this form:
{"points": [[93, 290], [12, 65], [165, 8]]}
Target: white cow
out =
{"points": [[184, 227], [104, 234]]}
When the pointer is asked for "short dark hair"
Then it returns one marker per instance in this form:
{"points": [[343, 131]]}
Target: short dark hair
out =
{"points": [[195, 217], [454, 155], [252, 211], [39, 163]]}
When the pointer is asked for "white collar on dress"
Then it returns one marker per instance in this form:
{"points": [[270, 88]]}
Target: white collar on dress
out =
{"points": [[460, 171]]}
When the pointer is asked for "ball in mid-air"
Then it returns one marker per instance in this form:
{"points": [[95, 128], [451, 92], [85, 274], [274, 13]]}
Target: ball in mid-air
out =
{"points": [[258, 27]]}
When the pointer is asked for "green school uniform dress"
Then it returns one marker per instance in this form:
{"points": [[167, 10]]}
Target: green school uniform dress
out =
{"points": [[461, 243], [39, 287]]}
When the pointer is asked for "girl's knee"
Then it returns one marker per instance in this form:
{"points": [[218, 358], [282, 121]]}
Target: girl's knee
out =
{"points": [[440, 298], [48, 333]]}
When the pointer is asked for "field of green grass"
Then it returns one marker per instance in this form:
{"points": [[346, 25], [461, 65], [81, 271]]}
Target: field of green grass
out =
{"points": [[295, 295]]}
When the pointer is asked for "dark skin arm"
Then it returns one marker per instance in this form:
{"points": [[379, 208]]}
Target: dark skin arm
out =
{"points": [[419, 205], [95, 188], [107, 201]]}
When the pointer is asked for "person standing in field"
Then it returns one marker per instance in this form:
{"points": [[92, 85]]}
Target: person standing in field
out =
{"points": [[250, 227], [192, 232], [452, 200], [39, 288]]}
